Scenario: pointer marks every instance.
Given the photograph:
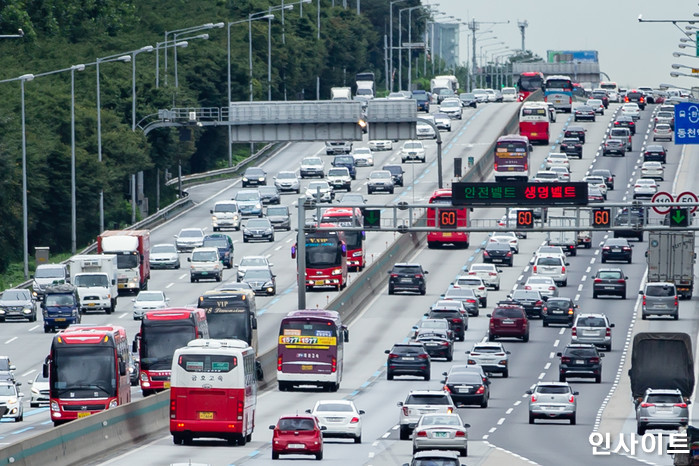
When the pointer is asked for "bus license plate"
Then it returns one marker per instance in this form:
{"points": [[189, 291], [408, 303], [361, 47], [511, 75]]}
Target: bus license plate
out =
{"points": [[206, 415], [307, 367], [166, 384], [319, 282], [446, 235], [83, 414]]}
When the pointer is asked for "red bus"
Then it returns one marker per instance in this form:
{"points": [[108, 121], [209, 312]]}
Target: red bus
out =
{"points": [[511, 158], [162, 332], [310, 349], [529, 82], [213, 391], [534, 121], [326, 259], [354, 240], [446, 217], [87, 371]]}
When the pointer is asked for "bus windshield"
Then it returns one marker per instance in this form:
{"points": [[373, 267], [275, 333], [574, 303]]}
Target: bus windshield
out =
{"points": [[227, 318], [323, 252], [564, 84], [83, 372], [511, 146], [353, 239], [160, 342], [211, 363], [305, 328], [530, 83], [534, 111]]}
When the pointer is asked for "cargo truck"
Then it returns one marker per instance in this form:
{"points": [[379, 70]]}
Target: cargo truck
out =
{"points": [[132, 248], [95, 277], [671, 258], [584, 216], [567, 240], [340, 93]]}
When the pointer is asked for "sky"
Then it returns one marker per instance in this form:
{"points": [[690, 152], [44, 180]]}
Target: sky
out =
{"points": [[633, 54]]}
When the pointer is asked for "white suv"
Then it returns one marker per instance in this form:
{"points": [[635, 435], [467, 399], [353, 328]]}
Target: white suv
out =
{"points": [[474, 283], [551, 266], [205, 264], [419, 402]]}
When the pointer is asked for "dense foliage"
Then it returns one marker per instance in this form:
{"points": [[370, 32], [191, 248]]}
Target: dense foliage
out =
{"points": [[62, 33]]}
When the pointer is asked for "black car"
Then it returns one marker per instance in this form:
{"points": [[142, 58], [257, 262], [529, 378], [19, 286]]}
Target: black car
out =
{"points": [[631, 219], [408, 359], [575, 132], [396, 173], [572, 147], [254, 176], [498, 253], [261, 280], [580, 360], [637, 97], [616, 249], [601, 95], [407, 277], [437, 345], [609, 282], [423, 101], [258, 229], [607, 175], [468, 388], [269, 195], [614, 146], [531, 301], [625, 122], [558, 311], [453, 316], [468, 99], [584, 112], [655, 153], [467, 296], [224, 244]]}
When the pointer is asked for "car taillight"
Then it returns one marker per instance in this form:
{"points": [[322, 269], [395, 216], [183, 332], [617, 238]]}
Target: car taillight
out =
{"points": [[392, 356], [676, 303], [444, 343], [574, 331], [394, 275], [565, 359], [495, 166], [534, 269], [472, 273], [552, 288], [460, 433], [680, 405], [450, 409], [422, 356], [598, 280], [493, 274], [594, 360], [471, 361], [606, 248], [647, 405], [570, 311], [446, 389], [533, 398], [333, 366], [644, 300], [608, 332], [354, 420], [406, 411], [527, 287], [563, 269], [421, 433], [485, 253], [471, 301], [279, 363], [481, 390], [455, 320], [509, 254], [621, 280], [539, 303], [571, 399]]}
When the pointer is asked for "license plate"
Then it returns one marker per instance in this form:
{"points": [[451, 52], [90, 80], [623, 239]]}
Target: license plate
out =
{"points": [[608, 287], [206, 415], [557, 312], [446, 235], [589, 333], [256, 236], [508, 322], [204, 273], [497, 259], [166, 385], [616, 250], [441, 434], [319, 282], [406, 280], [90, 304], [661, 409], [60, 319], [83, 414], [408, 358], [297, 445], [307, 367], [580, 361]]}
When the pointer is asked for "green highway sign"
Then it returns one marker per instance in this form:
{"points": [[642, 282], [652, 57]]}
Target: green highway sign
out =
{"points": [[372, 219], [679, 217]]}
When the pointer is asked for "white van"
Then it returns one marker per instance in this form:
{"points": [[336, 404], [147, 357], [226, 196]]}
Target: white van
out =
{"points": [[205, 263]]}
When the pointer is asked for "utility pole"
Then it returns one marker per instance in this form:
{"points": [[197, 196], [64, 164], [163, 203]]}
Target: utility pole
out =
{"points": [[522, 25]]}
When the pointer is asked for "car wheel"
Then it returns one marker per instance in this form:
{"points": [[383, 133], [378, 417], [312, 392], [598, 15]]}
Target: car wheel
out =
{"points": [[572, 420], [562, 378], [275, 455], [565, 282], [608, 347], [390, 290], [191, 279], [641, 429], [497, 287], [531, 418], [245, 240], [426, 376], [491, 337], [389, 376], [676, 316], [546, 324], [484, 303], [450, 358], [484, 404], [423, 291], [219, 277], [598, 379], [358, 439], [404, 433], [525, 338], [644, 316]]}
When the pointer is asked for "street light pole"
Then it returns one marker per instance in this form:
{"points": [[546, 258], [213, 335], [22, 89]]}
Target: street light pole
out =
{"points": [[25, 224], [73, 207], [147, 48], [389, 87]]}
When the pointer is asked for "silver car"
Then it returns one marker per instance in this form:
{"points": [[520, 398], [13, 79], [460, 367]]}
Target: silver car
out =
{"points": [[545, 285], [553, 267], [661, 409], [594, 329], [488, 273], [189, 238], [552, 400], [474, 283], [249, 262], [660, 298], [12, 399], [491, 356], [164, 256], [441, 432], [287, 181], [148, 301]]}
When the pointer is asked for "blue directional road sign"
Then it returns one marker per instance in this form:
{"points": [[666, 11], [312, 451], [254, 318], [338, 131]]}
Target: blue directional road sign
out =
{"points": [[687, 123]]}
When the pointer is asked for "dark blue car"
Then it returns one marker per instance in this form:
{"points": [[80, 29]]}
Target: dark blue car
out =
{"points": [[224, 244], [346, 161]]}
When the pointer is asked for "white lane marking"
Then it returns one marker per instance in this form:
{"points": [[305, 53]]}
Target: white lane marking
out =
{"points": [[34, 328], [492, 429], [375, 444], [587, 270], [555, 343], [290, 239], [580, 287], [517, 403], [278, 248], [28, 372], [182, 277], [168, 286], [501, 420], [542, 375], [547, 366], [562, 331], [371, 454], [10, 340], [122, 315], [552, 355], [577, 297], [386, 435], [584, 277], [509, 411]]}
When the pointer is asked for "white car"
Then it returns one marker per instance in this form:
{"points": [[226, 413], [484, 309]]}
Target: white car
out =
{"points": [[12, 399], [562, 172], [424, 131], [164, 256], [312, 166], [326, 191], [509, 94], [189, 238], [341, 418], [412, 150], [225, 214], [205, 264], [474, 283], [442, 121], [40, 390], [662, 131], [488, 273], [551, 266], [597, 104], [653, 170], [381, 144], [287, 181], [363, 157], [508, 237], [339, 178], [644, 187], [557, 159], [451, 107], [251, 262], [544, 285], [597, 181], [481, 95], [148, 301], [546, 177], [631, 110], [548, 251], [491, 356]]}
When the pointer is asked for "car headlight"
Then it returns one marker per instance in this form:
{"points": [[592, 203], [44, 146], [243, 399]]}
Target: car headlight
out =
{"points": [[214, 219], [36, 391], [2, 312], [269, 285], [261, 179], [113, 404], [11, 401], [258, 206], [27, 310], [336, 271], [269, 231], [245, 178]]}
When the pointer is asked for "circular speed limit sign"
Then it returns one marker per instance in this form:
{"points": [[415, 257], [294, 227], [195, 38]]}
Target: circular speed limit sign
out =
{"points": [[662, 198], [688, 197]]}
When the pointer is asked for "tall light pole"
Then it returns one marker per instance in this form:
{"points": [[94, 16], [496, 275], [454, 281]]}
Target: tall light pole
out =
{"points": [[147, 48], [400, 43], [252, 17], [389, 87], [191, 29], [122, 58], [182, 42], [73, 207]]}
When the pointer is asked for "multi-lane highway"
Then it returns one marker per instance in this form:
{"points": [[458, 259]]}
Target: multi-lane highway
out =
{"points": [[388, 319]]}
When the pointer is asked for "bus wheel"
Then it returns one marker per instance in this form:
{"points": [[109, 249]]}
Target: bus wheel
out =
{"points": [[187, 439], [333, 387], [248, 438], [242, 440], [177, 439]]}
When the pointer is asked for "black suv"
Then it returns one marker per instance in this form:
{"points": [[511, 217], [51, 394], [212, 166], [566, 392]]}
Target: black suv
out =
{"points": [[616, 249], [631, 219], [655, 153], [408, 359], [396, 174], [455, 319], [407, 277], [609, 281], [579, 360], [572, 146], [575, 132], [601, 95], [224, 244], [558, 311], [497, 252], [532, 301], [625, 122], [635, 96]]}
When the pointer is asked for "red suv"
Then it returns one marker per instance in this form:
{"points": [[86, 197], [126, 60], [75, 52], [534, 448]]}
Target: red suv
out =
{"points": [[508, 320], [297, 435]]}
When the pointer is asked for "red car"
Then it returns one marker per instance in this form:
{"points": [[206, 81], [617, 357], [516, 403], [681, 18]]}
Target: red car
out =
{"points": [[297, 435], [508, 320]]}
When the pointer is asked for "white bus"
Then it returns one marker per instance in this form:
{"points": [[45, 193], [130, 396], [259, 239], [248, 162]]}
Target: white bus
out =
{"points": [[213, 391]]}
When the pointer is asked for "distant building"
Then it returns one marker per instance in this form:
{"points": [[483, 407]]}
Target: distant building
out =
{"points": [[446, 43]]}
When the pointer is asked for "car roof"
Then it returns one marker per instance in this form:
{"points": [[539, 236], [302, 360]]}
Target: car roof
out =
{"points": [[491, 344], [553, 383], [435, 454], [406, 264], [592, 314]]}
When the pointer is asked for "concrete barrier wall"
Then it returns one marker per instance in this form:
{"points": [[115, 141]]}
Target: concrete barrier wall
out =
{"points": [[91, 437]]}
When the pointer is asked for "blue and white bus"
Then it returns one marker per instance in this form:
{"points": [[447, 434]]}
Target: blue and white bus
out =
{"points": [[558, 90]]}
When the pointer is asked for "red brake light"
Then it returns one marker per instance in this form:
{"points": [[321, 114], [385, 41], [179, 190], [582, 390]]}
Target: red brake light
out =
{"points": [[421, 433], [173, 407], [574, 331], [681, 405], [422, 356], [354, 420], [472, 273], [279, 363], [533, 398], [605, 248], [446, 389], [394, 275], [608, 333], [563, 269], [598, 280], [392, 356], [406, 411], [647, 405], [644, 300], [621, 280], [481, 390], [418, 275], [492, 273], [571, 399], [509, 254], [565, 359], [460, 433], [534, 269], [552, 288], [481, 288], [333, 367], [527, 287], [594, 360]]}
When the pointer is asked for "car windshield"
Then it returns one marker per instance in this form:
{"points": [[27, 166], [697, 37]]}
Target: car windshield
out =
{"points": [[553, 389], [434, 323], [318, 184], [257, 223], [407, 269], [247, 196], [459, 293], [15, 295], [312, 162], [507, 313], [380, 174], [90, 280], [558, 303], [343, 407], [277, 211], [257, 274], [427, 399], [435, 461], [482, 268], [548, 174], [164, 249], [7, 390], [661, 398], [296, 424], [470, 378], [228, 207], [580, 352], [204, 256], [448, 103], [610, 274], [469, 282], [525, 294], [286, 175], [344, 160], [353, 199], [150, 296], [49, 272], [408, 349], [660, 290], [486, 349], [254, 172], [540, 280], [338, 172], [436, 420], [253, 262], [412, 145]]}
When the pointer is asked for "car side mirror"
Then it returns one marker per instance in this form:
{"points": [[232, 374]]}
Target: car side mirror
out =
{"points": [[443, 381], [323, 428], [272, 427], [122, 368], [559, 354], [414, 327], [507, 352], [601, 355], [30, 382], [387, 351], [640, 292], [567, 263], [211, 211], [400, 403], [611, 325], [576, 393], [499, 270], [308, 411], [626, 278], [189, 259], [426, 314], [489, 315], [529, 392]]}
